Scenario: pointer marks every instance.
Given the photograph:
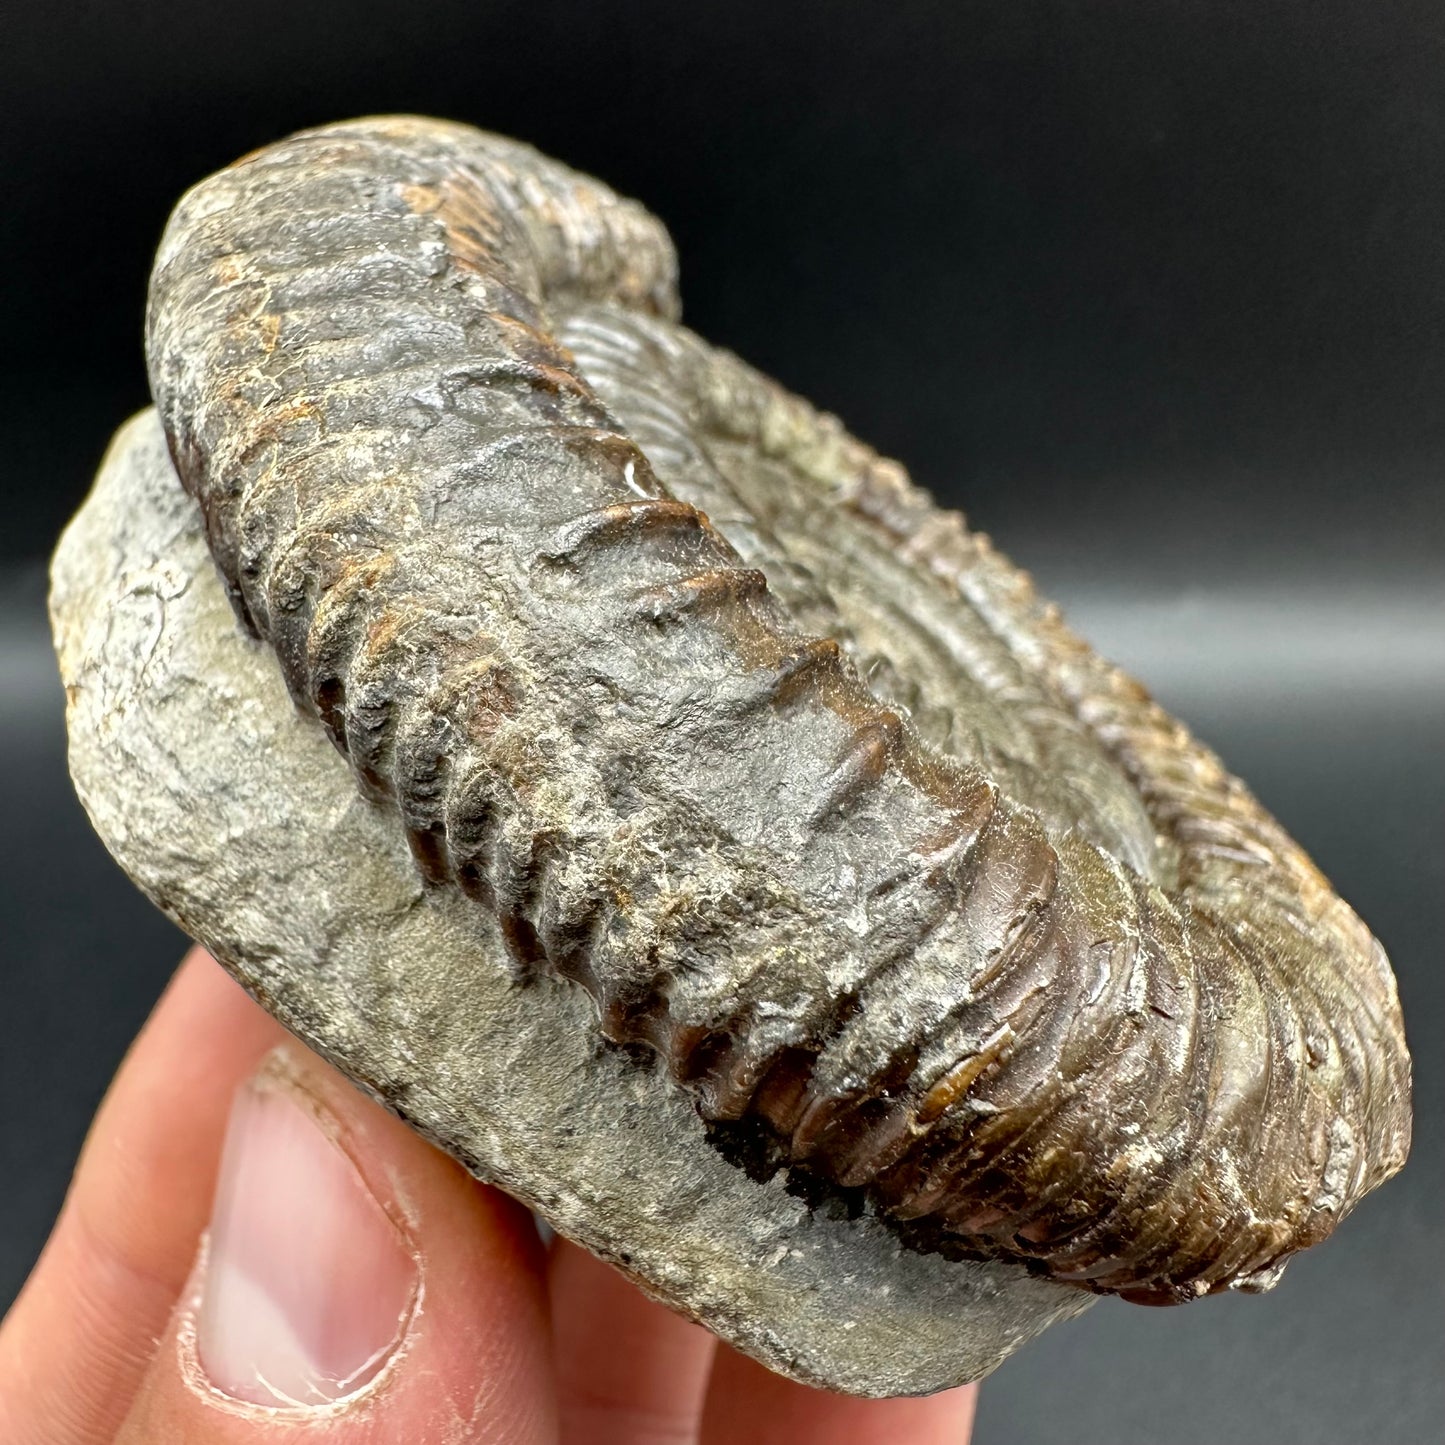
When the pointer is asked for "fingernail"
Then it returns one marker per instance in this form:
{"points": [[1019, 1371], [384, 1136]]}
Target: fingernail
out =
{"points": [[308, 1284]]}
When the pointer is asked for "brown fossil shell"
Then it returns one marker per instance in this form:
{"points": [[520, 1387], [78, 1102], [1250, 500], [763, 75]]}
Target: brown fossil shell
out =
{"points": [[726, 721]]}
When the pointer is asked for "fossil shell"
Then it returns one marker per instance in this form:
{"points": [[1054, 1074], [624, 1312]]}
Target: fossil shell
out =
{"points": [[724, 720], [231, 810]]}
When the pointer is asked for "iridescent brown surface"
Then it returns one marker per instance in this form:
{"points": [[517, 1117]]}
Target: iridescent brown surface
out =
{"points": [[729, 723]]}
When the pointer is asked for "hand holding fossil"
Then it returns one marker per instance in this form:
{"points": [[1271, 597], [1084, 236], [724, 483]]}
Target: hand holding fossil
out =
{"points": [[137, 1328]]}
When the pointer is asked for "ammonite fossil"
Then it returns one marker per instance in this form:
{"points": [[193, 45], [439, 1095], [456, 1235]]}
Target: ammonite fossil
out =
{"points": [[724, 720], [792, 772]]}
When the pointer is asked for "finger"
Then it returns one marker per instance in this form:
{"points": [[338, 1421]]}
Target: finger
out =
{"points": [[629, 1371], [748, 1405], [74, 1347], [356, 1287]]}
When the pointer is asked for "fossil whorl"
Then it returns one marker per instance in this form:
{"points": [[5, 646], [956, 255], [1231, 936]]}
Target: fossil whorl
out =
{"points": [[726, 721]]}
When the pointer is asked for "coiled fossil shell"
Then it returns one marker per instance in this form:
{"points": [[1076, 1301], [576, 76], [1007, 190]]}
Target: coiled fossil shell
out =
{"points": [[724, 720]]}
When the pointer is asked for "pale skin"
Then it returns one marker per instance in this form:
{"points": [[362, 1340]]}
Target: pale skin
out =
{"points": [[506, 1339]]}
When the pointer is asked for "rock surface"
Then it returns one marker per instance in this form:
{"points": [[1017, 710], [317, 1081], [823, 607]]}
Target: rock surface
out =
{"points": [[237, 817]]}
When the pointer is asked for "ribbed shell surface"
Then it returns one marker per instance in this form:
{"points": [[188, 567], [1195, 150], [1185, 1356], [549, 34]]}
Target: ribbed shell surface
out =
{"points": [[728, 722]]}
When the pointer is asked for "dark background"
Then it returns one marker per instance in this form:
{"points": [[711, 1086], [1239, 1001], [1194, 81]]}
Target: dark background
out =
{"points": [[1153, 290]]}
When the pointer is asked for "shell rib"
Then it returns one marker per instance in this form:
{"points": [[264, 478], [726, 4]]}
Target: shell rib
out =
{"points": [[727, 722]]}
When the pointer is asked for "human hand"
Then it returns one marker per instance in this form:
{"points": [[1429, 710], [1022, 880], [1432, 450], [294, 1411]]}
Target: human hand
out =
{"points": [[328, 1256]]}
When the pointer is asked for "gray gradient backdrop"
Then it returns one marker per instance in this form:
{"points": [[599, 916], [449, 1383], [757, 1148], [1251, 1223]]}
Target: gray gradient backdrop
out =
{"points": [[1153, 291]]}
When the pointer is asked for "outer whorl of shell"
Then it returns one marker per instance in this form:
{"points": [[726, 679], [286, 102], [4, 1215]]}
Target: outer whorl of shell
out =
{"points": [[727, 722]]}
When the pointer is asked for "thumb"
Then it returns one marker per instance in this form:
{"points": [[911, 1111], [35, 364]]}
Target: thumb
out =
{"points": [[354, 1286]]}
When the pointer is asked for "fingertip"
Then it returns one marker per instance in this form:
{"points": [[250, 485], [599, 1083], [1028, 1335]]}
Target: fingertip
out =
{"points": [[749, 1405], [355, 1282], [629, 1370], [77, 1340]]}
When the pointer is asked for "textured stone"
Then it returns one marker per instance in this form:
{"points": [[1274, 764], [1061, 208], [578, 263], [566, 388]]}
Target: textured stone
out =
{"points": [[241, 822]]}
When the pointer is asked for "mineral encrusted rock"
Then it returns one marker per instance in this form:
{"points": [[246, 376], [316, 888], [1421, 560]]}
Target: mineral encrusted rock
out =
{"points": [[239, 820]]}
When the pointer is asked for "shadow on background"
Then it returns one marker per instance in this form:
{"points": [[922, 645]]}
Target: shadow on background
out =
{"points": [[1153, 291]]}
